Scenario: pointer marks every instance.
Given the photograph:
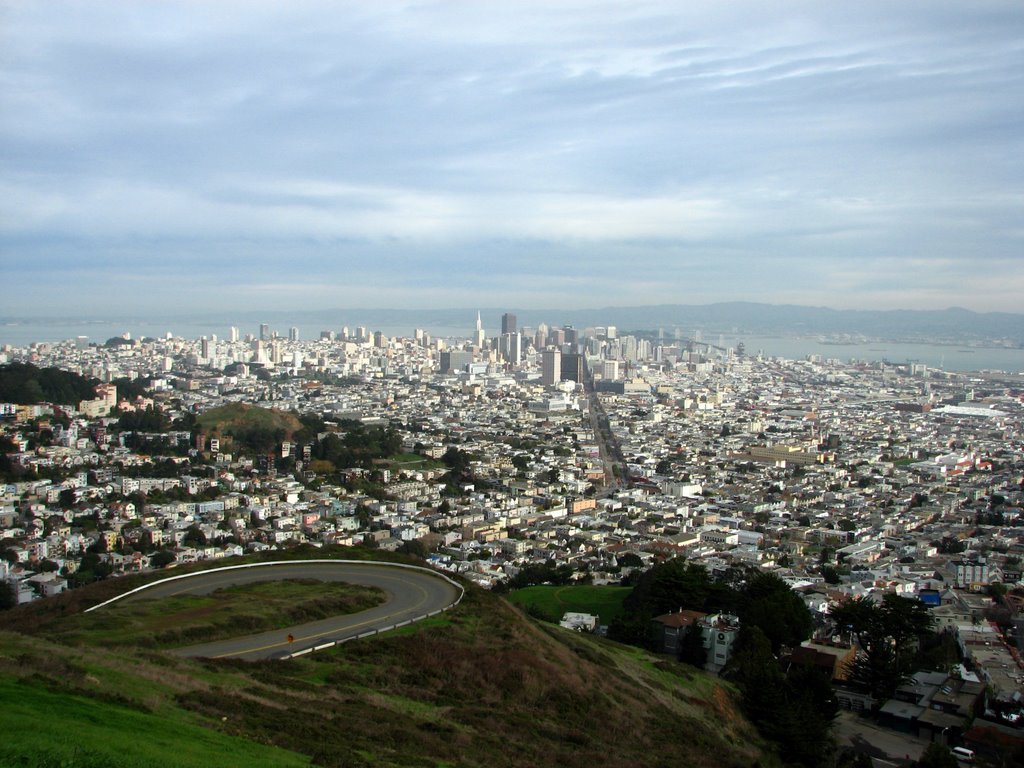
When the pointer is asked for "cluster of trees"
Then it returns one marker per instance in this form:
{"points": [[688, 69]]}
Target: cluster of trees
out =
{"points": [[794, 710], [358, 446], [758, 599], [888, 634], [544, 573], [150, 419], [458, 461], [27, 384]]}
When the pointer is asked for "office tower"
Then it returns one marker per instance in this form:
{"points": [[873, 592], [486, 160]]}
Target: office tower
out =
{"points": [[541, 339], [610, 370], [454, 360], [293, 334], [611, 332], [508, 323], [551, 367], [205, 348], [233, 334], [479, 338], [361, 333], [264, 332], [510, 347], [572, 368], [572, 336], [379, 339]]}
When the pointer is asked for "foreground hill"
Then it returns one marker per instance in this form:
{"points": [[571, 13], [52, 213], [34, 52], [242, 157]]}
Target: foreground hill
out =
{"points": [[480, 686]]}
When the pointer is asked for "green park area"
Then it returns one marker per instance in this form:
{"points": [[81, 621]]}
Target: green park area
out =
{"points": [[550, 603]]}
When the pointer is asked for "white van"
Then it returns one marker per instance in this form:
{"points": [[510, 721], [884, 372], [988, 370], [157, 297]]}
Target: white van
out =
{"points": [[963, 754]]}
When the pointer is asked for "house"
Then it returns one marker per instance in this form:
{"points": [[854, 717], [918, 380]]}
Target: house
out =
{"points": [[579, 622], [720, 631], [669, 629], [836, 660], [933, 705]]}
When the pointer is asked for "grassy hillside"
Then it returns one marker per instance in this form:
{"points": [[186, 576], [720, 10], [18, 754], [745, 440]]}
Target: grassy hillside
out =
{"points": [[224, 613], [551, 603], [46, 728], [480, 686], [249, 426]]}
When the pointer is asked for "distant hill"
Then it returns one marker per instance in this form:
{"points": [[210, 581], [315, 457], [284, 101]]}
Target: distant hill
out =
{"points": [[249, 426], [26, 384], [479, 686]]}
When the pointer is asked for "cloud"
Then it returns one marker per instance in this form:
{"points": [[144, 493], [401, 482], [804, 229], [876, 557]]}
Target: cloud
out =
{"points": [[642, 149]]}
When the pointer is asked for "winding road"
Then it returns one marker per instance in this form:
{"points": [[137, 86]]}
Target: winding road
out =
{"points": [[412, 594]]}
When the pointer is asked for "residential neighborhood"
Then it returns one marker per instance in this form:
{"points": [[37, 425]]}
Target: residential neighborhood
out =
{"points": [[578, 448]]}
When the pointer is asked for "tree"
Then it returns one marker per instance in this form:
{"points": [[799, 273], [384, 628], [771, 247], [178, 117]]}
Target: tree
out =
{"points": [[937, 756], [629, 560], [795, 712], [691, 647], [162, 558], [194, 536], [768, 603], [883, 633], [7, 597]]}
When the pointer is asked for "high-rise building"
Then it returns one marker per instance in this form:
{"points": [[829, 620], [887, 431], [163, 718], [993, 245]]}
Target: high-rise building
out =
{"points": [[233, 334], [293, 334], [264, 332], [572, 368], [508, 323], [478, 337], [510, 347], [454, 360], [551, 367]]}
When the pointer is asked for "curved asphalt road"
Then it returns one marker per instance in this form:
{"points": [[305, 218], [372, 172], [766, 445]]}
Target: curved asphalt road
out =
{"points": [[411, 594]]}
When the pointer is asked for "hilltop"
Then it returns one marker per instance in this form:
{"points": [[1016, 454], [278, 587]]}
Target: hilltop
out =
{"points": [[249, 425], [480, 686]]}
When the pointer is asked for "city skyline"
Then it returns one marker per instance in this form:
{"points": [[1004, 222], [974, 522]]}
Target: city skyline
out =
{"points": [[179, 158]]}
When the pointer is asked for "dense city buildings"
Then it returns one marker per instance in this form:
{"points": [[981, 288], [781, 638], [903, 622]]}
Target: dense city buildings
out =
{"points": [[583, 448]]}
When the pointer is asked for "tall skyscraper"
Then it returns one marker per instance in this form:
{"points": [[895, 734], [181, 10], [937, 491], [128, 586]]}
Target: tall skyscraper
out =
{"points": [[264, 332], [551, 367], [572, 368], [480, 338], [508, 323], [510, 346], [233, 334], [293, 334]]}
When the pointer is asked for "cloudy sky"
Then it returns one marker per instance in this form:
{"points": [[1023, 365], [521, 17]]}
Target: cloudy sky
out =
{"points": [[209, 155]]}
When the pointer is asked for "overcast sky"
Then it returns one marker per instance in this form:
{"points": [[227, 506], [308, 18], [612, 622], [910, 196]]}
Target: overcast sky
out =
{"points": [[208, 155]]}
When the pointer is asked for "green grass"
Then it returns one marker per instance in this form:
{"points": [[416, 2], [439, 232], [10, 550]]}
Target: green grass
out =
{"points": [[551, 603], [412, 461], [229, 612], [476, 687], [44, 729]]}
